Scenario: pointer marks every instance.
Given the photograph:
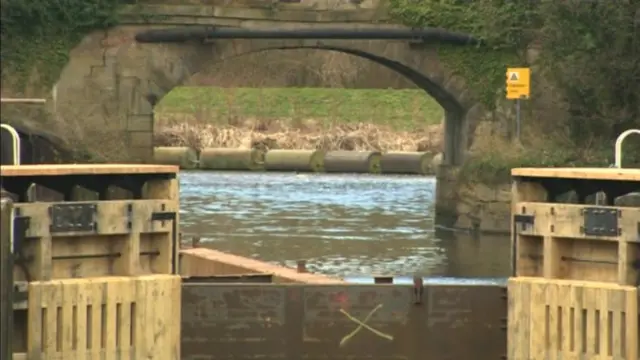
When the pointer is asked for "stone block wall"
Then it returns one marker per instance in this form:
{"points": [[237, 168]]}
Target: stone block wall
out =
{"points": [[463, 204]]}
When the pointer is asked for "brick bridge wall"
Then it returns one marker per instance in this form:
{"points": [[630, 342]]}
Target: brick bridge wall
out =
{"points": [[112, 82]]}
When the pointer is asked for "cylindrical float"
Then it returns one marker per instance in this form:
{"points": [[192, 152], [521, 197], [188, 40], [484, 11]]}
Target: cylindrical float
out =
{"points": [[231, 159], [185, 157], [294, 160], [401, 162], [352, 162]]}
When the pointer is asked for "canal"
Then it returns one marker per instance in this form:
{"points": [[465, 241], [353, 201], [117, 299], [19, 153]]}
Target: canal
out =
{"points": [[345, 225]]}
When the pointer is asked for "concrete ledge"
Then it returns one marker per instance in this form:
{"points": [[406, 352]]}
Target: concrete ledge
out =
{"points": [[208, 262]]}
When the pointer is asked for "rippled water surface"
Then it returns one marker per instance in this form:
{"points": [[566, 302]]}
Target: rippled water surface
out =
{"points": [[348, 225]]}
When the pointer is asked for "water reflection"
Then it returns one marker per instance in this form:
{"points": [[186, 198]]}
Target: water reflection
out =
{"points": [[341, 224]]}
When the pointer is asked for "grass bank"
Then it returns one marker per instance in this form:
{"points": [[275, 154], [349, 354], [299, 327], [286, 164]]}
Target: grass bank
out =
{"points": [[299, 118], [406, 109], [492, 157]]}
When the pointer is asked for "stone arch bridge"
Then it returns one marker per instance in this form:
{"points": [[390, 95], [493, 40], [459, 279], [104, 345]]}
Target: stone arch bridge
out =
{"points": [[112, 81]]}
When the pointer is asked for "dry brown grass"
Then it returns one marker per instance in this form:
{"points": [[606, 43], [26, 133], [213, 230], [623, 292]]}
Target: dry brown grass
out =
{"points": [[297, 68], [278, 135]]}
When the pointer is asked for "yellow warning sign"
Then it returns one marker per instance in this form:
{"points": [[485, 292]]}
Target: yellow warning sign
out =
{"points": [[518, 83]]}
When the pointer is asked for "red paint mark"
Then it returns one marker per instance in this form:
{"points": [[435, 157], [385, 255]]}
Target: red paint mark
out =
{"points": [[341, 299]]}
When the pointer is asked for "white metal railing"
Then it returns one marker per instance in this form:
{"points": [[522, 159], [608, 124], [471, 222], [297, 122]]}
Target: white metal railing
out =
{"points": [[11, 130], [16, 142], [619, 141], [22, 101]]}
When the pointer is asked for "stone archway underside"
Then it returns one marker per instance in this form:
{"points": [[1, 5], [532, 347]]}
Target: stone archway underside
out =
{"points": [[112, 83]]}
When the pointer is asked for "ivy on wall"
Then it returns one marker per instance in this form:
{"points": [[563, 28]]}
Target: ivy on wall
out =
{"points": [[502, 25], [37, 36], [590, 55]]}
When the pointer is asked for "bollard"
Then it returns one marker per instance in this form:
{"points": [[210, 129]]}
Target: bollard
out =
{"points": [[195, 242], [302, 266], [418, 290]]}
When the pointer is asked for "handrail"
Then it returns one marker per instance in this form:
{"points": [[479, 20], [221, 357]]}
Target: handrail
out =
{"points": [[16, 142], [619, 141], [16, 137]]}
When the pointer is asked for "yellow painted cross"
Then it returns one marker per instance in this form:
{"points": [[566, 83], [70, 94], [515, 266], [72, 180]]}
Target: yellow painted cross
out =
{"points": [[361, 325]]}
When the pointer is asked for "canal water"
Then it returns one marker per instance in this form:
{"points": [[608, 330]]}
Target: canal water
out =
{"points": [[347, 225]]}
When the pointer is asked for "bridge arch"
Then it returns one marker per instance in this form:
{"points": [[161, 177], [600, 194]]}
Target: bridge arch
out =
{"points": [[456, 131], [112, 82]]}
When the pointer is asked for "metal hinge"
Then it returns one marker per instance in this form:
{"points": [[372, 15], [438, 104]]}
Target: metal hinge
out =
{"points": [[73, 217]]}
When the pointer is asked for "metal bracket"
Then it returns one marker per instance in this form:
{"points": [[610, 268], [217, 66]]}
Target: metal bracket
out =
{"points": [[173, 217], [163, 216], [524, 220], [129, 217], [73, 217], [20, 226], [601, 222], [20, 294]]}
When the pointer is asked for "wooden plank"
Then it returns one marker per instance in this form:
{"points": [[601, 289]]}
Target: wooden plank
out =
{"points": [[207, 262], [567, 253], [111, 328], [579, 173], [6, 279], [86, 169], [515, 348], [537, 321], [589, 300], [167, 245], [523, 191], [572, 320], [566, 333], [122, 242], [566, 220], [633, 333], [112, 217]]}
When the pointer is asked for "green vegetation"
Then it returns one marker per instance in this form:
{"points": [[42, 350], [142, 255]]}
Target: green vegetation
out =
{"points": [[589, 53], [399, 109], [37, 36]]}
